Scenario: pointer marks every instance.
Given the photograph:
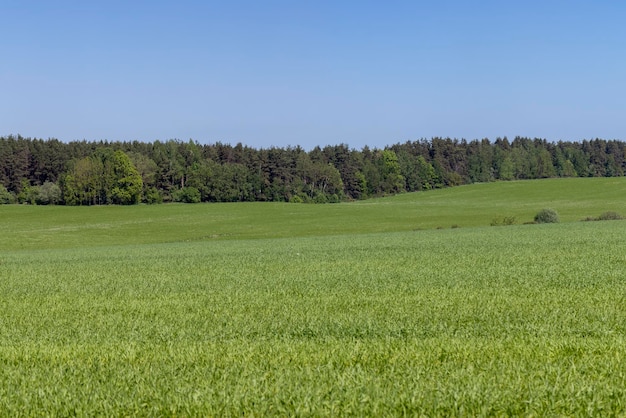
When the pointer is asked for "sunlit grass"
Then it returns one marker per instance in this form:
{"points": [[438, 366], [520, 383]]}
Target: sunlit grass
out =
{"points": [[361, 308], [520, 320], [40, 227]]}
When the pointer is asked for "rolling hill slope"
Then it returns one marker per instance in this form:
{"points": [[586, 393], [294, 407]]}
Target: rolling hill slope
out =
{"points": [[39, 227]]}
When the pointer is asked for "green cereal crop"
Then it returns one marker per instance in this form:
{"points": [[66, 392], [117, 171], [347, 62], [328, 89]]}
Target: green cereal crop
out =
{"points": [[473, 321]]}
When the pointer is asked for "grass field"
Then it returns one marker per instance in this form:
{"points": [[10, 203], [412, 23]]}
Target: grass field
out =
{"points": [[362, 308], [43, 227]]}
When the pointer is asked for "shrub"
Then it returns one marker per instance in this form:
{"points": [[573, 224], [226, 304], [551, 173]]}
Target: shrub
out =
{"points": [[610, 216], [153, 196], [606, 216], [28, 194], [334, 198], [507, 220], [320, 198], [186, 195], [296, 199], [547, 216], [6, 196], [48, 194]]}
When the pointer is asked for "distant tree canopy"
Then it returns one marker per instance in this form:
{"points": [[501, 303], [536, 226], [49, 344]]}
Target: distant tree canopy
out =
{"points": [[49, 171], [104, 177]]}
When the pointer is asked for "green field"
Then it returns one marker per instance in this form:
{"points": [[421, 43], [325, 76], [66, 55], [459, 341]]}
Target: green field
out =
{"points": [[361, 308]]}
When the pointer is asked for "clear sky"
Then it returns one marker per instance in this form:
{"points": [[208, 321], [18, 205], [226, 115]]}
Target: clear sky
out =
{"points": [[277, 73]]}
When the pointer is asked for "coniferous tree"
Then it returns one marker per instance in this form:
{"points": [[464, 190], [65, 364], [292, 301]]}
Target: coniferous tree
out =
{"points": [[111, 172]]}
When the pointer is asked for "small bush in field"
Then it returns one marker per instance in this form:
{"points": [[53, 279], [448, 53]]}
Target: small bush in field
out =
{"points": [[605, 216], [547, 216], [507, 220], [610, 216]]}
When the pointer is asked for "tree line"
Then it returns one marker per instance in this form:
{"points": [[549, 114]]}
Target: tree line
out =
{"points": [[39, 171]]}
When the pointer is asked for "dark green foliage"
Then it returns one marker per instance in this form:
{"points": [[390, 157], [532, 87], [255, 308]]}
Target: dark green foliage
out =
{"points": [[547, 216], [147, 169], [152, 196], [333, 198], [316, 177], [6, 196], [187, 195], [93, 173], [28, 194], [105, 177], [320, 198], [503, 221]]}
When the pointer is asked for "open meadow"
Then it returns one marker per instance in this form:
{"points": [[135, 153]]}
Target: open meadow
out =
{"points": [[376, 307]]}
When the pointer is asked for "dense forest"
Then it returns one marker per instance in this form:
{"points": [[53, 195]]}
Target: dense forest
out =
{"points": [[38, 171]]}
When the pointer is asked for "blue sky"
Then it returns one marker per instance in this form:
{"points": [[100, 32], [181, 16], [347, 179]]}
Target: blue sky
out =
{"points": [[278, 73]]}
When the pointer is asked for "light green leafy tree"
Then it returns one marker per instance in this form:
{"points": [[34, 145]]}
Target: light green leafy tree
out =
{"points": [[392, 180], [49, 194], [79, 184], [127, 184], [105, 177]]}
